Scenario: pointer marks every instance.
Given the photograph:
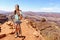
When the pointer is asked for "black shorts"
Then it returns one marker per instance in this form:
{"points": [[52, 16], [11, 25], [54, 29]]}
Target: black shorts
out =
{"points": [[18, 22]]}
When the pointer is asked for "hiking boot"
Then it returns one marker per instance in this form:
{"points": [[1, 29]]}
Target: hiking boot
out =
{"points": [[16, 36]]}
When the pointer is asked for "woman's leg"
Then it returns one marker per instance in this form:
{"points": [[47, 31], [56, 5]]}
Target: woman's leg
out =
{"points": [[16, 30], [19, 30]]}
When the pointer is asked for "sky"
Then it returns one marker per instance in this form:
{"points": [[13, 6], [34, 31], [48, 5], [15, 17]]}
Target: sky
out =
{"points": [[31, 5]]}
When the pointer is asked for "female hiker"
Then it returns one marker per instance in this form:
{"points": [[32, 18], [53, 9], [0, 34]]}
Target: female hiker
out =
{"points": [[17, 20]]}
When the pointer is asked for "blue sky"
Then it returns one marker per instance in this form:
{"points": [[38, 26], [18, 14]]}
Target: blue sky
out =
{"points": [[31, 5]]}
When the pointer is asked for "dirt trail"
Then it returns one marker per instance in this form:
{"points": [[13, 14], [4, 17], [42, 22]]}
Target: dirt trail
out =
{"points": [[27, 32]]}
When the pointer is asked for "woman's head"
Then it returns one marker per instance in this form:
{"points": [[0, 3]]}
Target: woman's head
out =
{"points": [[16, 7]]}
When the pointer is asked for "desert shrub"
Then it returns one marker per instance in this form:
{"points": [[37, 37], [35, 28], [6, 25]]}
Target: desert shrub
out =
{"points": [[43, 19]]}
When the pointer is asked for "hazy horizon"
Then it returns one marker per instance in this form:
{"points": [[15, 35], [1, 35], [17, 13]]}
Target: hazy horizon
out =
{"points": [[31, 5]]}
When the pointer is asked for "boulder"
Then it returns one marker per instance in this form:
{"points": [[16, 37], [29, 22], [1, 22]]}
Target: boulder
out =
{"points": [[43, 19], [32, 23], [36, 34], [2, 35], [0, 29], [12, 33], [10, 23]]}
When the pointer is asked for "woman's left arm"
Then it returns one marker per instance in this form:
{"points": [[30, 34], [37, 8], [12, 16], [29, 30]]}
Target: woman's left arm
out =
{"points": [[21, 16]]}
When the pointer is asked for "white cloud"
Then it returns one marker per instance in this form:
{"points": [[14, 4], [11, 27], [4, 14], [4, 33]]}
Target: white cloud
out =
{"points": [[6, 9], [52, 9]]}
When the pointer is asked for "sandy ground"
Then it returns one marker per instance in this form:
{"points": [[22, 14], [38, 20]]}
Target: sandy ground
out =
{"points": [[27, 32]]}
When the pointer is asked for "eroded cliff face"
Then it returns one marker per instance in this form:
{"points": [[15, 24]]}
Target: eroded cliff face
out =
{"points": [[3, 18], [49, 30]]}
